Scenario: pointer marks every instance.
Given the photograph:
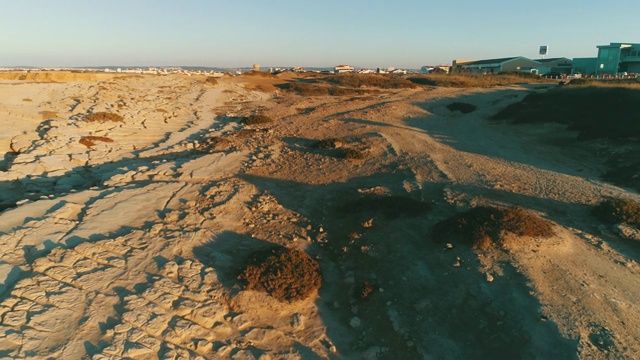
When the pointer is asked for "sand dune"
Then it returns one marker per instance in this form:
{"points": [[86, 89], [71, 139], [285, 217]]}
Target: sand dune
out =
{"points": [[130, 247]]}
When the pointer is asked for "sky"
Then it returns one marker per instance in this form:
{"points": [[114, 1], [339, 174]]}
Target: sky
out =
{"points": [[320, 33]]}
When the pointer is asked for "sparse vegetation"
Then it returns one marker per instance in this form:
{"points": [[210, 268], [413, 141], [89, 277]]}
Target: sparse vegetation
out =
{"points": [[476, 80], [285, 274], [380, 81], [350, 153], [258, 119], [214, 144], [305, 89], [595, 112], [616, 210], [90, 141], [483, 226], [462, 107], [103, 117]]}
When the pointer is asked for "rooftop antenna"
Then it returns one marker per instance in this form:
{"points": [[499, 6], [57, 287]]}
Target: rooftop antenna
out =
{"points": [[543, 50]]}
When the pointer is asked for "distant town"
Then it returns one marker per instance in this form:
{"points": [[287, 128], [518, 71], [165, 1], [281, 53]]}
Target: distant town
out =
{"points": [[612, 60]]}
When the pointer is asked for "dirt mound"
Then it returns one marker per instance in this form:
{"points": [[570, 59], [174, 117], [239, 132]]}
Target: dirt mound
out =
{"points": [[482, 226]]}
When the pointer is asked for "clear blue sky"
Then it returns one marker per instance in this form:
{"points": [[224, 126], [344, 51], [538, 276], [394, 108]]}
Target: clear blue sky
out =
{"points": [[235, 33]]}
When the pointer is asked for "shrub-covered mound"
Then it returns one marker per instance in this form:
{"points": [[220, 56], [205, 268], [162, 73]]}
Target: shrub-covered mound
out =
{"points": [[614, 211], [596, 112], [285, 274], [482, 226]]}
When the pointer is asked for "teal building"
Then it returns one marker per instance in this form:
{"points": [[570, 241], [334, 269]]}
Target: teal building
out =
{"points": [[617, 58]]}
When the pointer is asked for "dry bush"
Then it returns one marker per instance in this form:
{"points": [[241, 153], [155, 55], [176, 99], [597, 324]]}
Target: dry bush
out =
{"points": [[258, 119], [615, 210], [285, 274], [330, 143], [89, 141], [381, 81], [483, 226], [365, 290], [462, 107], [211, 81], [350, 153], [103, 117], [27, 100]]}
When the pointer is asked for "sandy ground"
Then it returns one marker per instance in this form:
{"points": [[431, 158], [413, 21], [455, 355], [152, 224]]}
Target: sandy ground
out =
{"points": [[130, 248]]}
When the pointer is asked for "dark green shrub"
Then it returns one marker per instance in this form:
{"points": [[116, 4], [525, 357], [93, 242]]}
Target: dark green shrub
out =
{"points": [[462, 107]]}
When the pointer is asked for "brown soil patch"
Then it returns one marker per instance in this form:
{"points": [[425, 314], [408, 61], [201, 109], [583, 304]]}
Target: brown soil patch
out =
{"points": [[90, 141]]}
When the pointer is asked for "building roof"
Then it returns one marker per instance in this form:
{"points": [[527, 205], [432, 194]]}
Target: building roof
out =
{"points": [[551, 59], [491, 61]]}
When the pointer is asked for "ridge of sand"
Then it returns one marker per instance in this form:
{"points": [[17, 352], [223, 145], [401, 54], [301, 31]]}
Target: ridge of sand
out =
{"points": [[130, 248]]}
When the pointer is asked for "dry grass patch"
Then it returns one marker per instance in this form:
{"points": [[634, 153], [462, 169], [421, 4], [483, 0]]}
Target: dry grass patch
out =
{"points": [[483, 226], [46, 115], [211, 81], [285, 274], [475, 80], [380, 81], [90, 141], [258, 119], [27, 100], [615, 210], [350, 153], [103, 117]]}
